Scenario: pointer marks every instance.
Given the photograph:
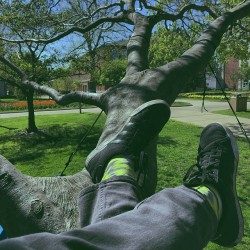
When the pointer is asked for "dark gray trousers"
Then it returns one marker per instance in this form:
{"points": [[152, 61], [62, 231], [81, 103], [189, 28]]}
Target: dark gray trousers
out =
{"points": [[114, 217]]}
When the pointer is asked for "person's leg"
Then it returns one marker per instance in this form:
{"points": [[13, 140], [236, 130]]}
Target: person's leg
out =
{"points": [[119, 165], [179, 218], [214, 175], [107, 199], [175, 219]]}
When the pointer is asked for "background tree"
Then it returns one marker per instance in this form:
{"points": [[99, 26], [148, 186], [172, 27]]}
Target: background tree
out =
{"points": [[112, 72], [86, 55], [37, 204], [171, 39], [19, 19], [168, 44]]}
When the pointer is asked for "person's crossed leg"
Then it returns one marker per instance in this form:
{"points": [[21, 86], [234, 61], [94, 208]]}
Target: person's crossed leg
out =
{"points": [[114, 215]]}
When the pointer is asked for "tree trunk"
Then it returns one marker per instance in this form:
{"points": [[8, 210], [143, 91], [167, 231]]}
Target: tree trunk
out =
{"points": [[30, 204], [49, 204], [31, 112]]}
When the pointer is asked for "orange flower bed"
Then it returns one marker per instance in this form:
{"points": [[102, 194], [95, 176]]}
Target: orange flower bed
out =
{"points": [[36, 103], [44, 102], [23, 105]]}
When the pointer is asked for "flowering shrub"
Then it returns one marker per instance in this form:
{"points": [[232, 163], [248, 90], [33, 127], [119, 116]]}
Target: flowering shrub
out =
{"points": [[190, 95], [41, 104], [211, 95]]}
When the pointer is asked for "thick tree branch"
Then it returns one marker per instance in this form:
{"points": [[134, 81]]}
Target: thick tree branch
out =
{"points": [[139, 42], [138, 45], [76, 96], [130, 5]]}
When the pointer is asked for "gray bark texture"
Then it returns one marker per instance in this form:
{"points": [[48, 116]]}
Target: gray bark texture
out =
{"points": [[31, 204]]}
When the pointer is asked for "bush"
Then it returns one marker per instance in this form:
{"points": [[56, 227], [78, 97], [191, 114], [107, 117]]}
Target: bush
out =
{"points": [[42, 104], [113, 72], [215, 95]]}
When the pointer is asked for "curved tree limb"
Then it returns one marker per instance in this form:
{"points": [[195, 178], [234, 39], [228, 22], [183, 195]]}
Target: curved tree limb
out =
{"points": [[138, 45], [76, 96]]}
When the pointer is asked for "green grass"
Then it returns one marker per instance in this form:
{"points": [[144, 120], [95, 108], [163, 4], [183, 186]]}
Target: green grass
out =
{"points": [[45, 154], [8, 100], [177, 149], [244, 114]]}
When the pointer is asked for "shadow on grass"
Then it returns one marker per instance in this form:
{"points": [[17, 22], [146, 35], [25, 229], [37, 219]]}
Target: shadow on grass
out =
{"points": [[55, 138], [167, 140], [245, 201], [7, 127]]}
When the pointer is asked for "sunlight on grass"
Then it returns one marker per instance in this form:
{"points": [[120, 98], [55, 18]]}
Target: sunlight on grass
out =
{"points": [[45, 154]]}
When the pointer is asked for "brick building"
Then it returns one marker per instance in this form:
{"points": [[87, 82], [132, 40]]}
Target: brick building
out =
{"points": [[105, 53], [229, 76]]}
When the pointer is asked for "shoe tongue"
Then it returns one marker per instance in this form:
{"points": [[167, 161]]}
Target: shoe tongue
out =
{"points": [[210, 135]]}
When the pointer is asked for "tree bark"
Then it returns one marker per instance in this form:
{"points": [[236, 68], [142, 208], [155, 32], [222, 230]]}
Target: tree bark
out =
{"points": [[45, 204], [31, 112], [30, 204]]}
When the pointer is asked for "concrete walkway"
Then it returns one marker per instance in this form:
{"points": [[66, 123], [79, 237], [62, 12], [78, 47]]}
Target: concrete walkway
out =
{"points": [[51, 112], [194, 115], [189, 114]]}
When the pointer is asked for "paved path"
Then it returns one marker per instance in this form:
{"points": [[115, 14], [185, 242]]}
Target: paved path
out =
{"points": [[194, 115], [51, 112], [189, 114]]}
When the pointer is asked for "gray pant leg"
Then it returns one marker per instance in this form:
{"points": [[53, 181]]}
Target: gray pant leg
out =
{"points": [[108, 199], [173, 219]]}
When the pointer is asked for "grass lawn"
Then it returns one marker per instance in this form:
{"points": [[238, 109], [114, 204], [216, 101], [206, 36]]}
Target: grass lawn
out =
{"points": [[9, 100], [45, 154], [245, 114]]}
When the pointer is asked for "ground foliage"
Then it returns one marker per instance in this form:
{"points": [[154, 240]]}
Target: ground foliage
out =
{"points": [[36, 154]]}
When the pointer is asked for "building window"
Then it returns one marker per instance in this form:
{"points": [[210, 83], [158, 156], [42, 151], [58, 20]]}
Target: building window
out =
{"points": [[246, 84]]}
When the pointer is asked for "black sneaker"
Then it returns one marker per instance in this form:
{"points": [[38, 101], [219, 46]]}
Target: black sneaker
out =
{"points": [[144, 123], [217, 164]]}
